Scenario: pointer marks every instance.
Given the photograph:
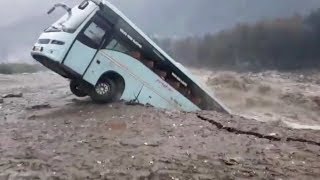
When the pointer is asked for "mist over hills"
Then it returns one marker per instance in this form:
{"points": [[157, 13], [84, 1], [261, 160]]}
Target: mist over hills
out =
{"points": [[167, 18]]}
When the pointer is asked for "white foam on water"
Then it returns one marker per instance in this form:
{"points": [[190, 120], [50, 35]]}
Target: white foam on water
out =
{"points": [[301, 126]]}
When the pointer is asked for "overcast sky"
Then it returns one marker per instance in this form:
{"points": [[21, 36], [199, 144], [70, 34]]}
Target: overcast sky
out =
{"points": [[23, 20], [221, 13]]}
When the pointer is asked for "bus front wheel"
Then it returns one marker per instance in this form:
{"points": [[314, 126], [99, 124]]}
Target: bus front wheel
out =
{"points": [[75, 88], [104, 91]]}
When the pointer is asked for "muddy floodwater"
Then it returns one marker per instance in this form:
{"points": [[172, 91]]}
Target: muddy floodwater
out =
{"points": [[47, 133]]}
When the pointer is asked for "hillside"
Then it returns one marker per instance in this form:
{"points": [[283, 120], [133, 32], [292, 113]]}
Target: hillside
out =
{"points": [[282, 44]]}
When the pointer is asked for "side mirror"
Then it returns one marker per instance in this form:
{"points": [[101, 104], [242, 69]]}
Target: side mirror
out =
{"points": [[65, 7]]}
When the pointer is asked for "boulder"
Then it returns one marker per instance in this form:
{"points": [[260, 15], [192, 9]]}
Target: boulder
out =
{"points": [[12, 95]]}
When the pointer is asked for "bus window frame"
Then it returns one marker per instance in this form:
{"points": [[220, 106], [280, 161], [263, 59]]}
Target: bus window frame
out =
{"points": [[119, 40], [103, 24]]}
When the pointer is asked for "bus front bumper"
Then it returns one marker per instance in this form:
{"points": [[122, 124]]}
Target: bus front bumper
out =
{"points": [[55, 66]]}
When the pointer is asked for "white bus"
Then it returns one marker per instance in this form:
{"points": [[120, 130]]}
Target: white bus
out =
{"points": [[108, 58]]}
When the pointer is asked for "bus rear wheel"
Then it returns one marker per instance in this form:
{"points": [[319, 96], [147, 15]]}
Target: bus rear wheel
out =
{"points": [[75, 88], [104, 91]]}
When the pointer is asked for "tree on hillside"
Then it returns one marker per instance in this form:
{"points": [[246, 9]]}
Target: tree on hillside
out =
{"points": [[313, 21], [284, 43]]}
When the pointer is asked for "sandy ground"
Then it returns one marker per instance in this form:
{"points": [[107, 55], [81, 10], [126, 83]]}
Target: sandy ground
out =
{"points": [[50, 134]]}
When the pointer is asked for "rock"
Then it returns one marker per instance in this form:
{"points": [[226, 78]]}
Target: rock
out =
{"points": [[32, 117], [26, 176], [1, 100], [153, 144], [133, 103], [4, 176], [316, 100], [134, 142], [12, 95], [230, 161], [38, 107]]}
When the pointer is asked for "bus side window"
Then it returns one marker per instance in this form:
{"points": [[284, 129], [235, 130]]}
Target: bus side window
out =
{"points": [[94, 33], [136, 55], [118, 46], [121, 46], [112, 44]]}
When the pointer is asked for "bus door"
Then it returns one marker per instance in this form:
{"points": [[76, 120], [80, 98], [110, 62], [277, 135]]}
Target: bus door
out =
{"points": [[87, 43]]}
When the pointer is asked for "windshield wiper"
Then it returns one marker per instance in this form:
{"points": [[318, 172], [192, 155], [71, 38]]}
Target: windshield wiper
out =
{"points": [[54, 27]]}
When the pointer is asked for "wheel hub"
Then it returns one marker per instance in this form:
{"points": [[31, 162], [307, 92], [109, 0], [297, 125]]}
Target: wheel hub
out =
{"points": [[102, 88]]}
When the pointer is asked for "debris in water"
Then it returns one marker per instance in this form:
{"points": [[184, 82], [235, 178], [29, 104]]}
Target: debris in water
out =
{"points": [[12, 95], [272, 134]]}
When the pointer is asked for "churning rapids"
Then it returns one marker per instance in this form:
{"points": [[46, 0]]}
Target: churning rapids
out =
{"points": [[290, 98]]}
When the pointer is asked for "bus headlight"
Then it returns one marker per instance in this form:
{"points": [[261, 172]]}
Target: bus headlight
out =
{"points": [[57, 42], [37, 48]]}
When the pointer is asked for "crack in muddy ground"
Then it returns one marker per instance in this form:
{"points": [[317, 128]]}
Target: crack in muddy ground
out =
{"points": [[256, 134]]}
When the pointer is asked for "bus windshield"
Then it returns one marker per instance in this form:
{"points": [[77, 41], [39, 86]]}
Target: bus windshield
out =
{"points": [[72, 20]]}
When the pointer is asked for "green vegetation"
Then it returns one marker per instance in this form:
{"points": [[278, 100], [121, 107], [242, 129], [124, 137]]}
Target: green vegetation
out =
{"points": [[283, 44], [13, 68]]}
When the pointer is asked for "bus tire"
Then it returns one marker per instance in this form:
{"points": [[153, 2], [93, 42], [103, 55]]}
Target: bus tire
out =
{"points": [[104, 91], [76, 90]]}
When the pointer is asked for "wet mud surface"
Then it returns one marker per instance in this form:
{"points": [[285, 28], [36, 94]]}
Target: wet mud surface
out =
{"points": [[49, 134]]}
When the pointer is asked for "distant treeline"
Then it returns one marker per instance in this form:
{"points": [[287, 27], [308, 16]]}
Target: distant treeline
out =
{"points": [[283, 44]]}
